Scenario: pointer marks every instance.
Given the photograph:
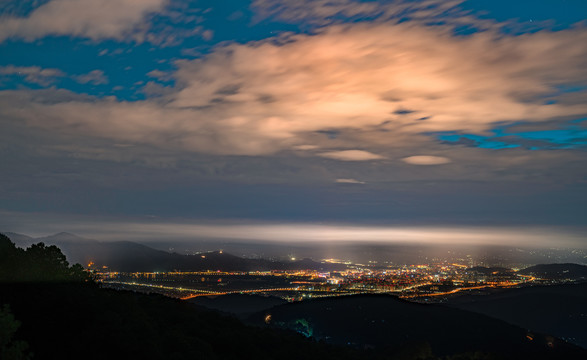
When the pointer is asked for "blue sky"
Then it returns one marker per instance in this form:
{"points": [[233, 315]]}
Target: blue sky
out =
{"points": [[400, 113]]}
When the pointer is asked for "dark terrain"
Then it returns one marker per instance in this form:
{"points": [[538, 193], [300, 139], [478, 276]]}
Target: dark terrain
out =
{"points": [[557, 271], [52, 310], [560, 310], [237, 304], [385, 323]]}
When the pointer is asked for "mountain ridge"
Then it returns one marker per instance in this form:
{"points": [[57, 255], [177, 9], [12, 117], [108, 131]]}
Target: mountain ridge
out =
{"points": [[129, 256], [557, 271]]}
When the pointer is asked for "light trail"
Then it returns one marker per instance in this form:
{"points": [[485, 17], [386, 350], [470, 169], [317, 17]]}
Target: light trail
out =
{"points": [[458, 290], [329, 292], [218, 293]]}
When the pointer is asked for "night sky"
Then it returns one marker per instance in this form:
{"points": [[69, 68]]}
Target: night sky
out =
{"points": [[296, 120]]}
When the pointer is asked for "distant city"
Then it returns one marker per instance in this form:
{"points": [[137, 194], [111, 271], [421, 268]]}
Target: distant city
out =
{"points": [[444, 282], [415, 273], [426, 282]]}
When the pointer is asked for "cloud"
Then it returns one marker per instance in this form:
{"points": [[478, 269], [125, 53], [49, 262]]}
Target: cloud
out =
{"points": [[94, 77], [357, 77], [329, 11], [351, 155], [154, 89], [349, 181], [291, 233], [312, 9], [357, 80], [33, 74], [305, 147], [309, 233], [93, 19], [160, 75], [48, 76], [207, 35], [426, 160]]}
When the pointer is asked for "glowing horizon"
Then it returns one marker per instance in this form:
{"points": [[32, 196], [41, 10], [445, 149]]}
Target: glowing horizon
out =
{"points": [[295, 233]]}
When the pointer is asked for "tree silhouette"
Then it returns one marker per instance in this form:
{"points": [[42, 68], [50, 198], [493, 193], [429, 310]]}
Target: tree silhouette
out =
{"points": [[11, 349], [10, 257], [46, 263], [37, 263]]}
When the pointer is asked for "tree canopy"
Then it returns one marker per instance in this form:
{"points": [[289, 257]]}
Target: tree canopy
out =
{"points": [[11, 349], [37, 263]]}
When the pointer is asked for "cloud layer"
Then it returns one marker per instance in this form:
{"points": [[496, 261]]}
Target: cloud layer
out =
{"points": [[93, 19], [299, 233], [328, 11], [32, 74], [48, 76], [376, 87]]}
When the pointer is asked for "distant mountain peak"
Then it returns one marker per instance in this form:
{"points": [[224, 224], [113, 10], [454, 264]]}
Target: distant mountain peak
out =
{"points": [[13, 234], [67, 234], [63, 237], [64, 233]]}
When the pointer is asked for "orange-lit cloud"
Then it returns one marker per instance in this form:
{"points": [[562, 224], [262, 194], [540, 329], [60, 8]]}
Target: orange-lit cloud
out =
{"points": [[94, 19], [378, 86], [426, 160], [351, 155]]}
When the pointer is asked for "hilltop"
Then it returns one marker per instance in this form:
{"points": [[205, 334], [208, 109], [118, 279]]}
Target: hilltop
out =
{"points": [[127, 256]]}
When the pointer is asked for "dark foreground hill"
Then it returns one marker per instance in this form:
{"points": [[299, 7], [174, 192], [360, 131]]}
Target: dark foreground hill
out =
{"points": [[61, 314], [386, 323], [560, 310], [56, 311], [241, 305], [75, 321], [72, 321]]}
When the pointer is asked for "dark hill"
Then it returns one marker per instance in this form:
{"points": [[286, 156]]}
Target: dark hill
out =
{"points": [[127, 256], [63, 237], [56, 311], [68, 321], [559, 310], [557, 271], [21, 240], [67, 316], [387, 323], [238, 304]]}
